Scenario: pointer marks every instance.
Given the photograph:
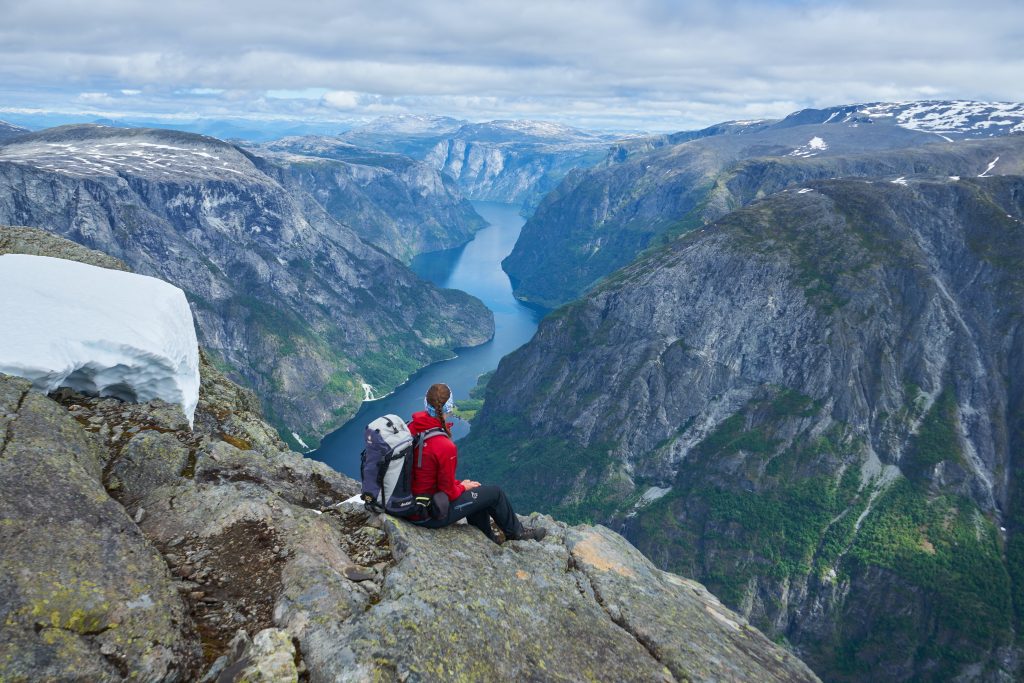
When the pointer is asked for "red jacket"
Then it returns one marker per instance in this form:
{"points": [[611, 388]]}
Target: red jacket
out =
{"points": [[440, 457]]}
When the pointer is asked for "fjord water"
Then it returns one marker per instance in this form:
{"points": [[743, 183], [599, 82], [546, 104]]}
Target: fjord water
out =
{"points": [[474, 268]]}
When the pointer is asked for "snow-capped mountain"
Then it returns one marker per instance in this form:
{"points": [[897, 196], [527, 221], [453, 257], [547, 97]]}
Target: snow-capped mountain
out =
{"points": [[950, 120], [94, 150]]}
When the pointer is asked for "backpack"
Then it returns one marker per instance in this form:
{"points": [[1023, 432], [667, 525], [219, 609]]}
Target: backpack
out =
{"points": [[386, 467]]}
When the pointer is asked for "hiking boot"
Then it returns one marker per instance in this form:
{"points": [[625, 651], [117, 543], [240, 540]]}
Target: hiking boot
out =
{"points": [[535, 533]]}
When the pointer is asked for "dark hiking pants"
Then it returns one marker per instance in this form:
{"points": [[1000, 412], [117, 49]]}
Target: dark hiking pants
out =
{"points": [[479, 506]]}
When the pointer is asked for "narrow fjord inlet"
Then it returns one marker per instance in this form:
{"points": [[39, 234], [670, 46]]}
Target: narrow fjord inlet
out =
{"points": [[474, 268]]}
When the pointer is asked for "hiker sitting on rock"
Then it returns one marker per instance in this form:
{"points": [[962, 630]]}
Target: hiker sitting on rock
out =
{"points": [[436, 472]]}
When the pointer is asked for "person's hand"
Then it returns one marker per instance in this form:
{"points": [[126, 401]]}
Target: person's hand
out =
{"points": [[469, 484]]}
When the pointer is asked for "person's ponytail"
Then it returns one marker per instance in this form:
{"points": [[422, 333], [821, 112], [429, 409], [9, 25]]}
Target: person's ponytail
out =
{"points": [[437, 397]]}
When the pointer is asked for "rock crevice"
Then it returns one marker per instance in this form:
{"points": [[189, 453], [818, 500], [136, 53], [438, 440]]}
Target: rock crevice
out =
{"points": [[615, 616]]}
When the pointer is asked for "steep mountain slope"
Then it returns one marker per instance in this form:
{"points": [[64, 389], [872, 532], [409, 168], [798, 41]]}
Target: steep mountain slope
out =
{"points": [[292, 299], [812, 405], [598, 220], [392, 201], [8, 130]]}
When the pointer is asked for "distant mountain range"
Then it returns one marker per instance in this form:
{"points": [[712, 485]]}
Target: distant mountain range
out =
{"points": [[505, 161], [515, 162]]}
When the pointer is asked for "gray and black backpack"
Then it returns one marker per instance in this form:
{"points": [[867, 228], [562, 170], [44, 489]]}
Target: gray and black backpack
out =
{"points": [[386, 466]]}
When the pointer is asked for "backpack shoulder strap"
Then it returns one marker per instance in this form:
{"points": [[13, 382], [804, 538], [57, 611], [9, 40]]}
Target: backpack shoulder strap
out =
{"points": [[421, 439]]}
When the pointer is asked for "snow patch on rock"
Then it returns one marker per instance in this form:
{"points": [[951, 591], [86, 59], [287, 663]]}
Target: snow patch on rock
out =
{"points": [[107, 332], [813, 146], [992, 164], [957, 118]]}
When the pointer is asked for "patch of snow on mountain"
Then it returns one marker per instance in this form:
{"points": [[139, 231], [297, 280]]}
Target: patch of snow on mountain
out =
{"points": [[100, 331], [90, 157], [959, 117], [813, 146], [984, 174]]}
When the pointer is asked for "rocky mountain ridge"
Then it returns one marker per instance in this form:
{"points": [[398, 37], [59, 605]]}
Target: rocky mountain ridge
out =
{"points": [[649, 190], [279, 289], [949, 120], [135, 548], [812, 405]]}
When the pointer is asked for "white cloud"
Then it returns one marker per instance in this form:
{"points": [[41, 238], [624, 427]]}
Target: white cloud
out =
{"points": [[341, 99], [304, 94], [95, 98], [652, 63]]}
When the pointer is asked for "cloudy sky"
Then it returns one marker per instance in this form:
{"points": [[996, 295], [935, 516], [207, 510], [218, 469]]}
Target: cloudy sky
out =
{"points": [[654, 65]]}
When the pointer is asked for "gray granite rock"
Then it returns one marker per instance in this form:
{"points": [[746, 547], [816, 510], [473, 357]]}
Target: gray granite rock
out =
{"points": [[150, 459], [650, 604], [261, 544], [456, 606], [36, 242], [83, 592]]}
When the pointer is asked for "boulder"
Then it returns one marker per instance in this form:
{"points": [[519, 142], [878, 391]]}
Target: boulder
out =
{"points": [[82, 592]]}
